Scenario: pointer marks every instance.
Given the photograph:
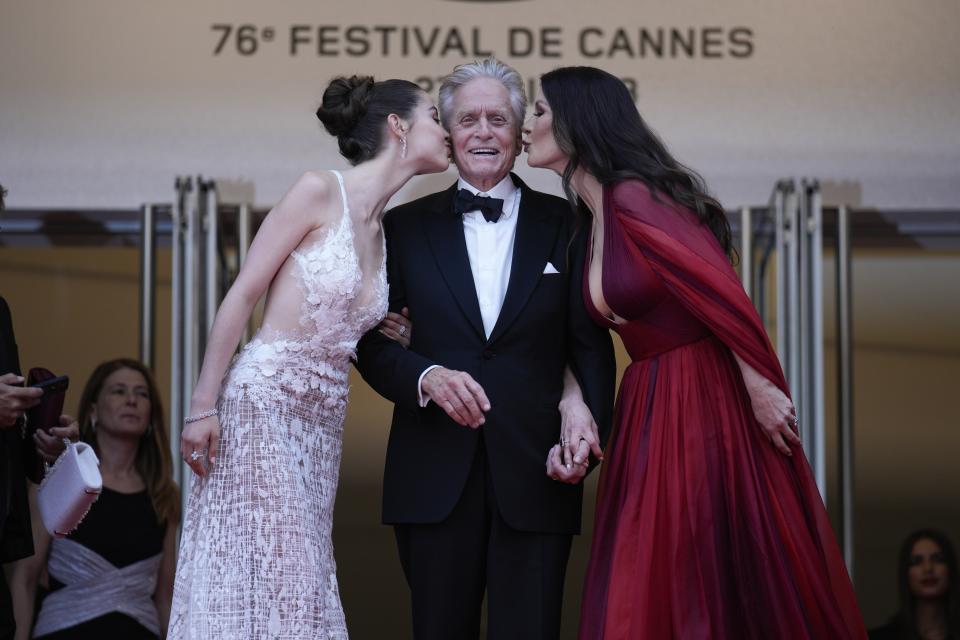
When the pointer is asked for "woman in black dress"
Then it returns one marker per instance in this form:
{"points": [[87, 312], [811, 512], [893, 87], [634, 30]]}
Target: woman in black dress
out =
{"points": [[928, 589], [113, 576]]}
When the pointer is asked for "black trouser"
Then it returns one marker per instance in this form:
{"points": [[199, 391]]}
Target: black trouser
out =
{"points": [[448, 566]]}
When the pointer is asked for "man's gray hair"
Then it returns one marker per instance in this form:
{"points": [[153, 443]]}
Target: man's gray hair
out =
{"points": [[487, 68]]}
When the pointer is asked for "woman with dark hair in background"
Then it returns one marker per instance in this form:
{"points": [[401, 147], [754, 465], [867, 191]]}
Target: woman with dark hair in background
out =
{"points": [[113, 576], [928, 590], [264, 432], [708, 522]]}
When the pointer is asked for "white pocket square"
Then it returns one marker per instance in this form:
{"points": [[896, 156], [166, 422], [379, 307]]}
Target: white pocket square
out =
{"points": [[550, 269]]}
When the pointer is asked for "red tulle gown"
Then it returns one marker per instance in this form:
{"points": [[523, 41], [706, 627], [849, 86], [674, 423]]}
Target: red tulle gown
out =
{"points": [[703, 529]]}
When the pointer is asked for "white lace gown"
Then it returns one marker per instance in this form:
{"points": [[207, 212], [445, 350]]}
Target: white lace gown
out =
{"points": [[256, 556]]}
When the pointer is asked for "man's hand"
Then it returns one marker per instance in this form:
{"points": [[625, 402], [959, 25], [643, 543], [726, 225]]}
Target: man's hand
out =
{"points": [[579, 435], [457, 393], [49, 442], [15, 399], [556, 469]]}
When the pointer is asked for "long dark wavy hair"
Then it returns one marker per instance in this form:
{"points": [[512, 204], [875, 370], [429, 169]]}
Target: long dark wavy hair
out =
{"points": [[154, 462], [905, 619], [596, 123]]}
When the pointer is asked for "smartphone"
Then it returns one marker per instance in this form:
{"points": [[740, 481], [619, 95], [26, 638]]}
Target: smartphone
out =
{"points": [[53, 385], [46, 413]]}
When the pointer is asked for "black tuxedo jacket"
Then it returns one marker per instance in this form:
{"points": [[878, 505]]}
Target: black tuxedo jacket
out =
{"points": [[542, 326], [16, 536]]}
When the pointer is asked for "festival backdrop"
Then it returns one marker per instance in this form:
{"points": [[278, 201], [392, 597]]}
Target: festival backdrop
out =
{"points": [[103, 102]]}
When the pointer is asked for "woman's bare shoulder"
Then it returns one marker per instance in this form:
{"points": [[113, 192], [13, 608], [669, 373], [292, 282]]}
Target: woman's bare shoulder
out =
{"points": [[316, 195], [317, 185]]}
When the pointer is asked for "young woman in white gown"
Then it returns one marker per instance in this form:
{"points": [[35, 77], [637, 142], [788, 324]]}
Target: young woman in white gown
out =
{"points": [[264, 432]]}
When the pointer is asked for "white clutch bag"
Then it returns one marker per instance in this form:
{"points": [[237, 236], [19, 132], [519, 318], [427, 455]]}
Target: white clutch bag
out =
{"points": [[69, 488]]}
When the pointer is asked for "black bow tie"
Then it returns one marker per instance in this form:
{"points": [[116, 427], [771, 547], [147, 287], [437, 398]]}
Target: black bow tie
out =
{"points": [[466, 201]]}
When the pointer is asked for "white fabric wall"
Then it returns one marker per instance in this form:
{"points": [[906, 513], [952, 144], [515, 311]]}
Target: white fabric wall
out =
{"points": [[103, 102]]}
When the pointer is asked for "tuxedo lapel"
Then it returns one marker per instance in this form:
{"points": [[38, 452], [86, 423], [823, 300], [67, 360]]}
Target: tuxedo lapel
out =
{"points": [[445, 235], [536, 235]]}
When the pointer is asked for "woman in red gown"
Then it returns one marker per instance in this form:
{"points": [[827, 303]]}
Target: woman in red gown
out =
{"points": [[709, 524]]}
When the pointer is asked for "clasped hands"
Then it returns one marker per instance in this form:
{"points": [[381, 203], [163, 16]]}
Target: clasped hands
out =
{"points": [[569, 460]]}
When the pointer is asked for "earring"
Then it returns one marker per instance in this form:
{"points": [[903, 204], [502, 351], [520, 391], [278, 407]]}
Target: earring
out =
{"points": [[403, 146], [93, 423]]}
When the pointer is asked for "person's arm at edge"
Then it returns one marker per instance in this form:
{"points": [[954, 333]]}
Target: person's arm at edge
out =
{"points": [[25, 573]]}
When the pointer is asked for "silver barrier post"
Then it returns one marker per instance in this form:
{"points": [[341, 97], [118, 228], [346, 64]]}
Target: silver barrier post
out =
{"points": [[243, 245], [792, 276], [746, 250], [802, 398], [780, 252], [243, 233], [148, 292], [183, 187], [814, 380], [190, 304], [845, 382], [211, 270]]}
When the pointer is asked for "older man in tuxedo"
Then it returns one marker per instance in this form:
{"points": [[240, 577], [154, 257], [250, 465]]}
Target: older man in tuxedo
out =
{"points": [[503, 363]]}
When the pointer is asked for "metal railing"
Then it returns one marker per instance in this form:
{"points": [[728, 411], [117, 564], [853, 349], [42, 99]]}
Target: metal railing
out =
{"points": [[796, 248], [200, 275]]}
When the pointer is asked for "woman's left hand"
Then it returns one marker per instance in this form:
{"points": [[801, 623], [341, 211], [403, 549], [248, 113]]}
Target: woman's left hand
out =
{"points": [[579, 435], [397, 327], [771, 407], [777, 415], [49, 442]]}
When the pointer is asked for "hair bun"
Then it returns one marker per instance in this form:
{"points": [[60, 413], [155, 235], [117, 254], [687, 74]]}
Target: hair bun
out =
{"points": [[344, 104]]}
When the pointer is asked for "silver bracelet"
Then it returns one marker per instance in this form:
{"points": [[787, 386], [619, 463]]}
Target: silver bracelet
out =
{"points": [[200, 416]]}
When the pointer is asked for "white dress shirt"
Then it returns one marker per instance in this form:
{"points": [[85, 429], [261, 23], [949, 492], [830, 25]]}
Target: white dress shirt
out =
{"points": [[490, 249]]}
